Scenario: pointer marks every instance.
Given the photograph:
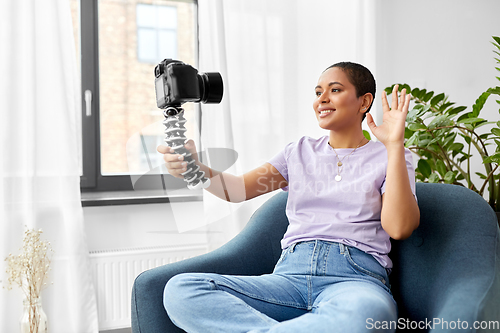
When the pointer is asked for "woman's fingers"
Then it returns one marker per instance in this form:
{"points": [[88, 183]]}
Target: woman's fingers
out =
{"points": [[401, 102], [385, 103], [407, 103], [163, 149], [173, 162], [394, 104]]}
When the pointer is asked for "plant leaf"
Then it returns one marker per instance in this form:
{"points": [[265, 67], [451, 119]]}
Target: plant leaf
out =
{"points": [[482, 123], [464, 116], [424, 168], [495, 158], [456, 146], [408, 133], [496, 45], [466, 138], [485, 136], [495, 90], [496, 131], [415, 92], [441, 120], [366, 134], [436, 99], [434, 178], [446, 105], [412, 140], [404, 86], [456, 110], [441, 167], [449, 177], [478, 106], [428, 96], [417, 127], [449, 139], [469, 127], [412, 115], [481, 175], [469, 120]]}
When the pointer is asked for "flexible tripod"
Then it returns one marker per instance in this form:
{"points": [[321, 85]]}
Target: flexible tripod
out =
{"points": [[175, 137]]}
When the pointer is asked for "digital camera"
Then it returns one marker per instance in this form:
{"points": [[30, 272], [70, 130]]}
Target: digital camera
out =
{"points": [[177, 83]]}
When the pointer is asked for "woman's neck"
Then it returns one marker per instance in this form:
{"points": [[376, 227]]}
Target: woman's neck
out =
{"points": [[347, 140]]}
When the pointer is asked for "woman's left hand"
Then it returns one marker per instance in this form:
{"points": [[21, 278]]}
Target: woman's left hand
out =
{"points": [[392, 129]]}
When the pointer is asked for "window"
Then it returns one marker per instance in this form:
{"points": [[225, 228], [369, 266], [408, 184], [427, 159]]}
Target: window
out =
{"points": [[156, 32], [121, 43]]}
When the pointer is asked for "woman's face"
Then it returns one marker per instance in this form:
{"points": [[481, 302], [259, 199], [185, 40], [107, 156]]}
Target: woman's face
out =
{"points": [[336, 104]]}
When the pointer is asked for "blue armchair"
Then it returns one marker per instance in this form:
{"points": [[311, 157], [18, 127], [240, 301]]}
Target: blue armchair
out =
{"points": [[447, 271]]}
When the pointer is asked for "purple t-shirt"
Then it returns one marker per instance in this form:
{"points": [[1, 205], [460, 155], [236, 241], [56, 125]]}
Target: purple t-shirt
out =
{"points": [[345, 211]]}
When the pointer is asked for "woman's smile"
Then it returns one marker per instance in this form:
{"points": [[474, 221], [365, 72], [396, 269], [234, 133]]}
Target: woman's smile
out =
{"points": [[325, 113]]}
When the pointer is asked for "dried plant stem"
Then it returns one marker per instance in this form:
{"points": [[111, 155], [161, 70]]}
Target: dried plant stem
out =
{"points": [[29, 270]]}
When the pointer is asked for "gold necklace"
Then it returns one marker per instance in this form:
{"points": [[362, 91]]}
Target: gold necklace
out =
{"points": [[338, 177]]}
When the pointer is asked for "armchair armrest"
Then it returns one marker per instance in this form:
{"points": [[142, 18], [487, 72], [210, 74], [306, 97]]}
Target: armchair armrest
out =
{"points": [[254, 251]]}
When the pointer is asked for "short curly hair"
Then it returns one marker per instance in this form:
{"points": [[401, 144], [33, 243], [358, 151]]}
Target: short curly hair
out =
{"points": [[360, 77]]}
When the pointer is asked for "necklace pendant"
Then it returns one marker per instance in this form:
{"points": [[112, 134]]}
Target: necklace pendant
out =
{"points": [[339, 163], [338, 178]]}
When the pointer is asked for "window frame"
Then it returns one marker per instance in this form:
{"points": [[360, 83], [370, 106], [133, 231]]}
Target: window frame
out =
{"points": [[92, 179]]}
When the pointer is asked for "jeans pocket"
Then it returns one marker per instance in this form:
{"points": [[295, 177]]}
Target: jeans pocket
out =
{"points": [[285, 253], [366, 265], [282, 257]]}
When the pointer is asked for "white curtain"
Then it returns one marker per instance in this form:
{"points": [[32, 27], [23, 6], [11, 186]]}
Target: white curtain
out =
{"points": [[270, 54], [40, 160]]}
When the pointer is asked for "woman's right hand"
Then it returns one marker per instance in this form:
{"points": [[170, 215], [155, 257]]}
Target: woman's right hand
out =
{"points": [[175, 162]]}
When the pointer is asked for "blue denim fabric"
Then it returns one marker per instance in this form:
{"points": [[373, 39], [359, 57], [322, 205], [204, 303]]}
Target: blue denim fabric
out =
{"points": [[316, 286]]}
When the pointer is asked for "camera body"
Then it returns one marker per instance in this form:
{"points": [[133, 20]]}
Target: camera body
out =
{"points": [[177, 83]]}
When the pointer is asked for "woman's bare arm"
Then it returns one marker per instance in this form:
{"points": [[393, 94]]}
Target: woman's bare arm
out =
{"points": [[226, 186]]}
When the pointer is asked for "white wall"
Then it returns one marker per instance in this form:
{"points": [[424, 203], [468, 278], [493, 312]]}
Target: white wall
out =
{"points": [[440, 45], [136, 226]]}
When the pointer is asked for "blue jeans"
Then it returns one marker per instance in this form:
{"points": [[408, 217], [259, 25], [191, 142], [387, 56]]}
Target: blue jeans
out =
{"points": [[316, 286]]}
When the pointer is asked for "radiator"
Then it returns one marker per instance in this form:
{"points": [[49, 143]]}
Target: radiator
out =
{"points": [[114, 272]]}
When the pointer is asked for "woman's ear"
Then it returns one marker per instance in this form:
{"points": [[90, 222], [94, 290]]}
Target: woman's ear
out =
{"points": [[367, 100]]}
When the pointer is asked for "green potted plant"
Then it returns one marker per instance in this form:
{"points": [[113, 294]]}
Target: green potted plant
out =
{"points": [[446, 136]]}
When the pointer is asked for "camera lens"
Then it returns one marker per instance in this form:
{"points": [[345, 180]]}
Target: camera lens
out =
{"points": [[211, 87]]}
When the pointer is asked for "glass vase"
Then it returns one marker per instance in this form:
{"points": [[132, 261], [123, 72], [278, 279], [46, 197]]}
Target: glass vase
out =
{"points": [[34, 319]]}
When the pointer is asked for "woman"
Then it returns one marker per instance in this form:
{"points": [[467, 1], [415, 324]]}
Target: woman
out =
{"points": [[347, 197]]}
